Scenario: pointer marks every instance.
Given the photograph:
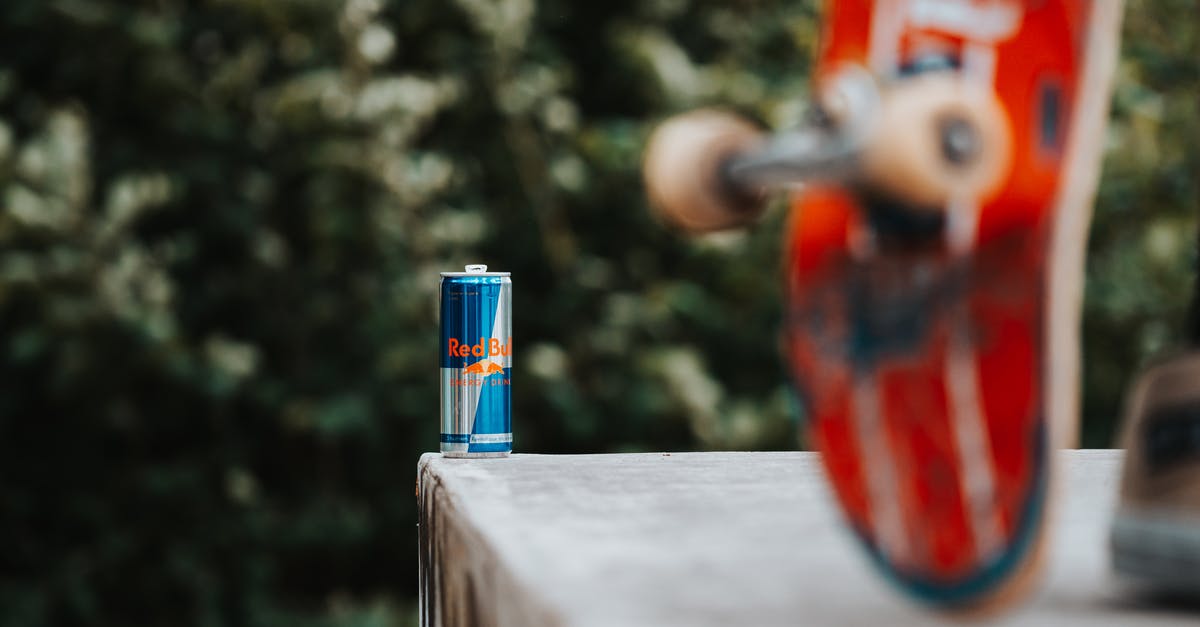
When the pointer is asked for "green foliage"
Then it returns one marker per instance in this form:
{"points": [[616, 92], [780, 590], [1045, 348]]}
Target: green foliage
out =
{"points": [[221, 225], [1142, 254]]}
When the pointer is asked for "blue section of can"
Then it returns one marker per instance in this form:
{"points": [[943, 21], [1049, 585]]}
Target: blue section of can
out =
{"points": [[475, 358]]}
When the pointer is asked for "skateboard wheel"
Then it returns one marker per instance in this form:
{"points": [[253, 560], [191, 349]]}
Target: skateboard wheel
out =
{"points": [[937, 141], [683, 170]]}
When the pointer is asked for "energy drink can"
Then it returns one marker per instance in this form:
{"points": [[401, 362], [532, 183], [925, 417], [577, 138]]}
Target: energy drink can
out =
{"points": [[476, 363]]}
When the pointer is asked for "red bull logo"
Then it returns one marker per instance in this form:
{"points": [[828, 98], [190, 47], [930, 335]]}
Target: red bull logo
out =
{"points": [[485, 348], [489, 350]]}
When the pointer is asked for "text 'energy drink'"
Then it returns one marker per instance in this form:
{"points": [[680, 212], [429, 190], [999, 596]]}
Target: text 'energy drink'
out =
{"points": [[476, 363]]}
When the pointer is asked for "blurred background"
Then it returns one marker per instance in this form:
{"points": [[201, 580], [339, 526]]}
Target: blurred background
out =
{"points": [[221, 227]]}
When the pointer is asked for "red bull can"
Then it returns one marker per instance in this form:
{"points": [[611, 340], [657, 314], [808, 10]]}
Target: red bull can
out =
{"points": [[476, 363]]}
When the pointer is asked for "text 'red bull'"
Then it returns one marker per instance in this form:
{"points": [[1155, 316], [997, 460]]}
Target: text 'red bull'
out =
{"points": [[484, 348]]}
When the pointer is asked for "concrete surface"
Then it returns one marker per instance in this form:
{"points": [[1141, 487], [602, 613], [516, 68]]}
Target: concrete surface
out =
{"points": [[710, 539]]}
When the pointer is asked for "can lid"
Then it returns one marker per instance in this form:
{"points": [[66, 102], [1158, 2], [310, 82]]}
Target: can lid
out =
{"points": [[476, 269]]}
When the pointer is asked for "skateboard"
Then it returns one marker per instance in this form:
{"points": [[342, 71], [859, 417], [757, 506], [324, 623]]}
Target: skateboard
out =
{"points": [[933, 269]]}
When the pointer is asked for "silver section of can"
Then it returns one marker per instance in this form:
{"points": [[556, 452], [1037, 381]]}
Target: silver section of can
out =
{"points": [[460, 401]]}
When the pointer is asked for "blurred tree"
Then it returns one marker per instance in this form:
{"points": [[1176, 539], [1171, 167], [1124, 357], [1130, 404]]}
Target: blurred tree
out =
{"points": [[1141, 268], [221, 225]]}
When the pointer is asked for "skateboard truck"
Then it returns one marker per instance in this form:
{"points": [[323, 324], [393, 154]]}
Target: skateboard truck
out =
{"points": [[828, 149], [926, 143]]}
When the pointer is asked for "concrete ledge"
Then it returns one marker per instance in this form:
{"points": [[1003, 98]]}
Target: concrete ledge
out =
{"points": [[708, 539]]}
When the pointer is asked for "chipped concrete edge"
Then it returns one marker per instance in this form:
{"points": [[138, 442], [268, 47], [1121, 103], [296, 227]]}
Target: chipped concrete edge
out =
{"points": [[463, 582]]}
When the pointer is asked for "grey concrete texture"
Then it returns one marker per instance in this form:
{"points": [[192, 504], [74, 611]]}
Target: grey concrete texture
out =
{"points": [[699, 539]]}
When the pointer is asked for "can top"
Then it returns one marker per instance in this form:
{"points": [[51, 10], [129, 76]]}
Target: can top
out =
{"points": [[476, 269]]}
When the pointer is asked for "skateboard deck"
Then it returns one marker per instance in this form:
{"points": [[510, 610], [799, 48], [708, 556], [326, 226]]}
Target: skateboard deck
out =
{"points": [[937, 351]]}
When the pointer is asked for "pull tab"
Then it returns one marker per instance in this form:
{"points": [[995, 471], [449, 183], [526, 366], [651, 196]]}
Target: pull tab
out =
{"points": [[477, 268]]}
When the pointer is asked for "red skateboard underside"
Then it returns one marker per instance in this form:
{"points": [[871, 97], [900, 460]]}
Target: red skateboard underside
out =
{"points": [[922, 366]]}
